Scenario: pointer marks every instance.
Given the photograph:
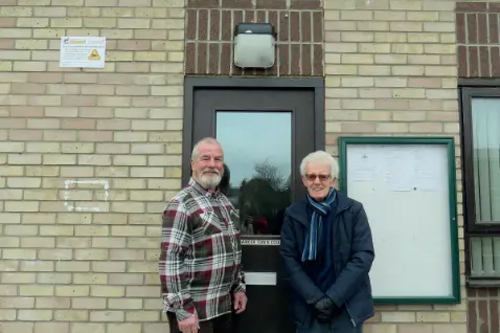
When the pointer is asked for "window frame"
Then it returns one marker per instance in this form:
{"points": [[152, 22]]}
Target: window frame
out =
{"points": [[467, 93], [467, 90]]}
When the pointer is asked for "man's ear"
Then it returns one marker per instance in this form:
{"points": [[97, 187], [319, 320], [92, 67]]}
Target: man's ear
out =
{"points": [[303, 180], [191, 168]]}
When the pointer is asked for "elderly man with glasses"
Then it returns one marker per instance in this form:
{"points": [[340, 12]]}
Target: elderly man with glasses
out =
{"points": [[327, 251]]}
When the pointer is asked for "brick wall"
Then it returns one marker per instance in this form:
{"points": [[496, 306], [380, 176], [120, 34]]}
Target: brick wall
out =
{"points": [[210, 27], [483, 315], [477, 39], [477, 27], [391, 70], [75, 271]]}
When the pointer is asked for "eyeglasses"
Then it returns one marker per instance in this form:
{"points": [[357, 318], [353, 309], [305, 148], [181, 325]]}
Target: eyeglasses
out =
{"points": [[322, 178]]}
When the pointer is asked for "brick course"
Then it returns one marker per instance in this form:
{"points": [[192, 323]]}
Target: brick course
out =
{"points": [[210, 31], [483, 315], [477, 38]]}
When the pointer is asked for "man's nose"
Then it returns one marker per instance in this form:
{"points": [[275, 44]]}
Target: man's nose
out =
{"points": [[211, 163]]}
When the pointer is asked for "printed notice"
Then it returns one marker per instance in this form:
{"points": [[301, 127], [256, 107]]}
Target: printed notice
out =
{"points": [[363, 167], [414, 169], [83, 52], [427, 169], [399, 171]]}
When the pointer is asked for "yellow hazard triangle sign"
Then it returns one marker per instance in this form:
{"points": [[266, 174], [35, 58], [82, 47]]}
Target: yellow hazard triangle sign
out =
{"points": [[94, 55]]}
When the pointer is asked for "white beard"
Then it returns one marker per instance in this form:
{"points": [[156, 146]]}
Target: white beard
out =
{"points": [[210, 182]]}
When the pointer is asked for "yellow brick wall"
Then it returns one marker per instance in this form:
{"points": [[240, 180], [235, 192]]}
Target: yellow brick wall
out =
{"points": [[79, 272], [83, 272], [391, 70]]}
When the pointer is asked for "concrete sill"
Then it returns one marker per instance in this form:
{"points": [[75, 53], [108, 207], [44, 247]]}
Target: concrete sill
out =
{"points": [[483, 283]]}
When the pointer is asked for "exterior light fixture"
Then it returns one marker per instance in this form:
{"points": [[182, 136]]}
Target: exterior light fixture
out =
{"points": [[254, 45]]}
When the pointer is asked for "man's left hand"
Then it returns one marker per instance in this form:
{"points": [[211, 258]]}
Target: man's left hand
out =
{"points": [[240, 301], [325, 310]]}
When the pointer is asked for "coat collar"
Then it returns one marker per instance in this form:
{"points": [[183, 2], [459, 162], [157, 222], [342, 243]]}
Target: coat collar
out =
{"points": [[298, 210]]}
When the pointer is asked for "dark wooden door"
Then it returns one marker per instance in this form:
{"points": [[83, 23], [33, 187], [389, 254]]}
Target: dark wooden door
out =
{"points": [[265, 133]]}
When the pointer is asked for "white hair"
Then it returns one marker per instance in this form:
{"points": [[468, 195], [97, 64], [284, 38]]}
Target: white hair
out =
{"points": [[320, 157], [196, 147]]}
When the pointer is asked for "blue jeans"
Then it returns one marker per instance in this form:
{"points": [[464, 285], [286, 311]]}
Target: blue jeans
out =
{"points": [[340, 324]]}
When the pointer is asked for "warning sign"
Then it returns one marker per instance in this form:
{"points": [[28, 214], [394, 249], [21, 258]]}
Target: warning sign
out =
{"points": [[94, 55], [83, 52]]}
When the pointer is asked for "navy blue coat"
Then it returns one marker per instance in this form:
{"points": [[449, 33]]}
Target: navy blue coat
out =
{"points": [[353, 255]]}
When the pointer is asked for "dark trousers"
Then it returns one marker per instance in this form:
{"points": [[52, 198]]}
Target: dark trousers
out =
{"points": [[340, 324], [222, 324]]}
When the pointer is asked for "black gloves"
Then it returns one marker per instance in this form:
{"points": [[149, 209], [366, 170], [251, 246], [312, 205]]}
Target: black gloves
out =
{"points": [[325, 309]]}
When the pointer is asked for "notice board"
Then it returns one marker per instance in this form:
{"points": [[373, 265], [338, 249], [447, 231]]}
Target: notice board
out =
{"points": [[407, 186]]}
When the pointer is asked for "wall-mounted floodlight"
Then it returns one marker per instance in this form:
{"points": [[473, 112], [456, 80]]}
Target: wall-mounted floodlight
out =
{"points": [[254, 45]]}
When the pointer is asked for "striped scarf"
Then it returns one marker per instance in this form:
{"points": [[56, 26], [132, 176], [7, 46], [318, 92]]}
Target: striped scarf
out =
{"points": [[320, 210]]}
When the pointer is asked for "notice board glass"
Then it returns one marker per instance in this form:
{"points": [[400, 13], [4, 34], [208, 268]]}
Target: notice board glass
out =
{"points": [[407, 186]]}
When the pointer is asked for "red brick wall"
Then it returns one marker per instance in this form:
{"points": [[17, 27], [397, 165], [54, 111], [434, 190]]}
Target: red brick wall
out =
{"points": [[299, 24], [477, 39], [477, 26], [483, 315]]}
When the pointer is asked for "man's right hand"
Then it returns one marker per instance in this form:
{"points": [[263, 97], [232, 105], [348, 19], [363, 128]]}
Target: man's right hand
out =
{"points": [[325, 309], [189, 325]]}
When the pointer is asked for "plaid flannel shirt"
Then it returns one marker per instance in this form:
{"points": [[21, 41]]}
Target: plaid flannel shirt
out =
{"points": [[200, 258]]}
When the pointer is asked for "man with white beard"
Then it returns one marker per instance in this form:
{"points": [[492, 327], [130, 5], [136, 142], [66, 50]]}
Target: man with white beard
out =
{"points": [[201, 276]]}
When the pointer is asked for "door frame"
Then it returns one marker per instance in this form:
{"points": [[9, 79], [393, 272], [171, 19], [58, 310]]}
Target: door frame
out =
{"points": [[191, 83]]}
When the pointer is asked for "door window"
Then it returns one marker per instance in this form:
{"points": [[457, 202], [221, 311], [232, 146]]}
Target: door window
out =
{"points": [[258, 152], [265, 134]]}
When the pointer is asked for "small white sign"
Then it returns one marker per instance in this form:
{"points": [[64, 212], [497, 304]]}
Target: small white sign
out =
{"points": [[261, 278], [261, 242], [83, 52]]}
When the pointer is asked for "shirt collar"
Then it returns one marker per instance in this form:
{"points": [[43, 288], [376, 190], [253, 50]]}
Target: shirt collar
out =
{"points": [[201, 190]]}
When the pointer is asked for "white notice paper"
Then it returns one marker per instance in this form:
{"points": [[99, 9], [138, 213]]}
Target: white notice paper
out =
{"points": [[83, 52], [399, 170], [427, 170], [363, 167]]}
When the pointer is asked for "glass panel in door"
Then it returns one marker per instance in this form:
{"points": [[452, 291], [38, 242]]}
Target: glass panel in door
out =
{"points": [[258, 152]]}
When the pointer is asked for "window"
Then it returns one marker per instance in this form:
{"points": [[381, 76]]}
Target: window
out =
{"points": [[485, 156], [481, 164], [485, 257], [260, 174]]}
